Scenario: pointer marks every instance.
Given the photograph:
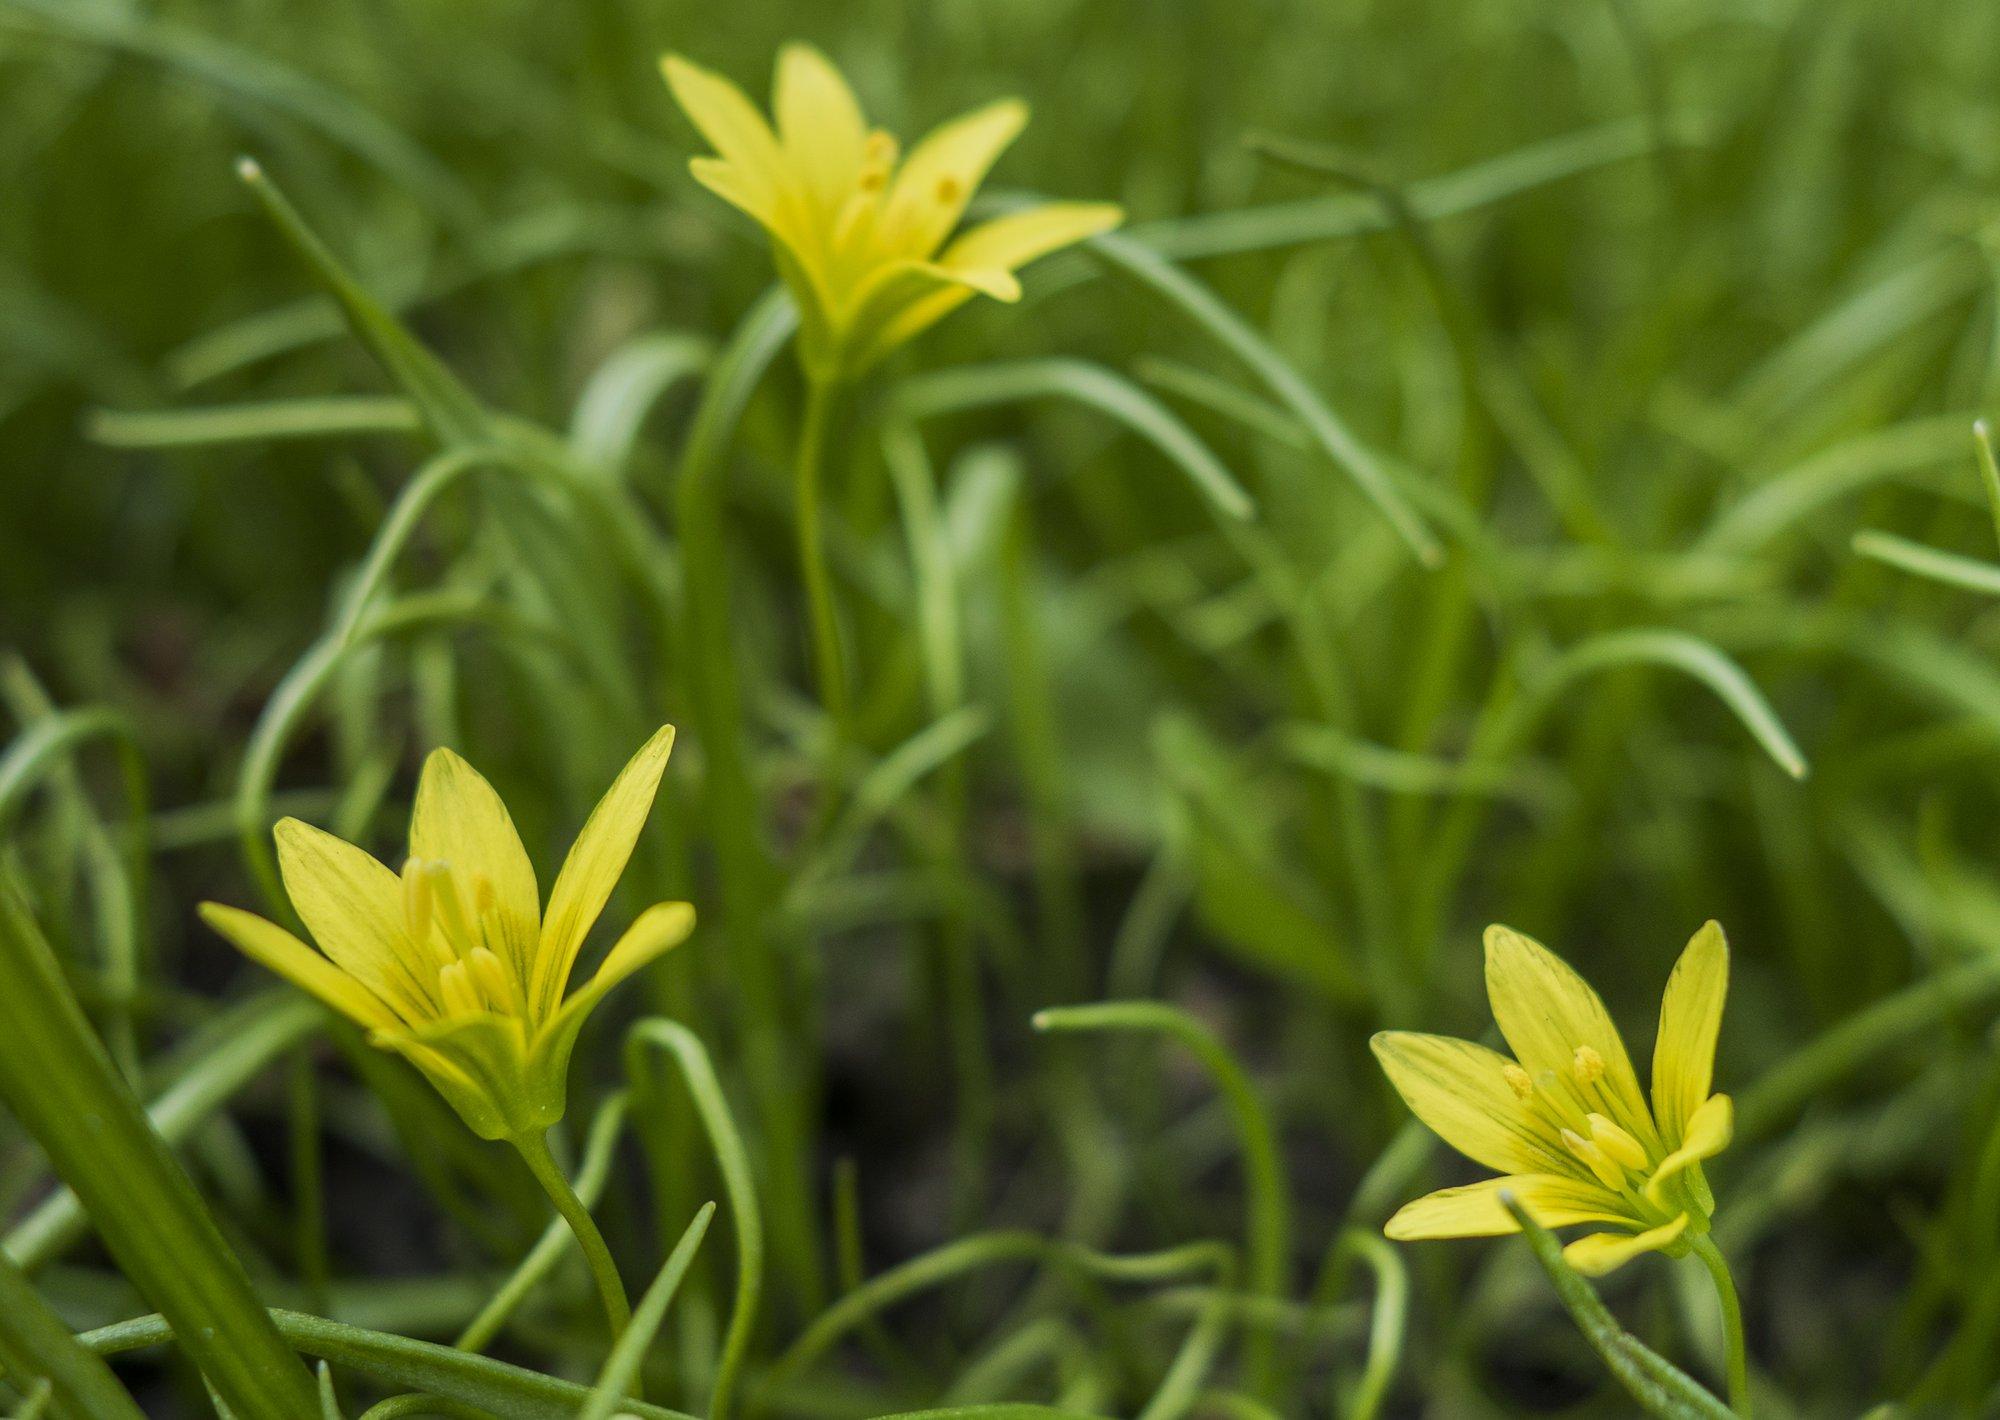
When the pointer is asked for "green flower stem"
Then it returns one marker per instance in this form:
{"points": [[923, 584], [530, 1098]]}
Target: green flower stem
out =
{"points": [[1738, 1361], [822, 393], [534, 1150], [1660, 1387]]}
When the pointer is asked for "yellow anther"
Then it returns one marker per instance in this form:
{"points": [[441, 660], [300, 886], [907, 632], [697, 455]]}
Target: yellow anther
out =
{"points": [[416, 901], [878, 159], [949, 191], [492, 977], [1517, 1080], [1595, 1159], [1589, 1065], [1616, 1142], [456, 992], [458, 929]]}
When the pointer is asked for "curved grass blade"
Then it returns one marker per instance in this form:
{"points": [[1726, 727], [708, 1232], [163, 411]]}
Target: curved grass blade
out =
{"points": [[1699, 659], [502, 1391], [1348, 453], [1268, 1206], [1931, 563], [978, 386], [624, 388]]}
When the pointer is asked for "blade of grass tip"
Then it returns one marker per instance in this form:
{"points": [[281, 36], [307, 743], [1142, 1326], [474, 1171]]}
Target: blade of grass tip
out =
{"points": [[491, 1387], [1235, 334], [737, 1185], [1931, 563], [1697, 658], [36, 1345], [1659, 1386], [630, 1352], [329, 1403], [1267, 1225], [449, 411], [1989, 468], [64, 1090], [327, 417], [978, 386]]}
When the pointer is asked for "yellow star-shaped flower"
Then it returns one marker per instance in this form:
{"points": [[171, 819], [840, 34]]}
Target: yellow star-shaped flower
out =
{"points": [[861, 240], [1563, 1121], [455, 965]]}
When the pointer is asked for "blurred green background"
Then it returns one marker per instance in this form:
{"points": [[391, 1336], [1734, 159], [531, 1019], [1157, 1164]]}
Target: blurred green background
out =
{"points": [[1648, 307]]}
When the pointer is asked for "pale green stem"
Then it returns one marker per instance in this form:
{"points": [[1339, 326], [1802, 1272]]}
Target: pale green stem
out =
{"points": [[1738, 1361], [534, 1150], [828, 667]]}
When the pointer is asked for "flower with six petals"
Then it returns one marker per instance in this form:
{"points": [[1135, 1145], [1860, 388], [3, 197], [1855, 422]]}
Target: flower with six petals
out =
{"points": [[860, 238], [455, 965], [1563, 1120]]}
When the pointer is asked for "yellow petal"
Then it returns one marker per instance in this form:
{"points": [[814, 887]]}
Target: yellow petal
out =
{"points": [[1475, 1210], [763, 182], [1549, 1014], [1690, 1017], [353, 906], [459, 821], [1004, 244], [726, 181], [1012, 241], [940, 175], [596, 861], [655, 931], [1460, 1090], [728, 120], [271, 946], [1600, 1253], [1709, 1130], [820, 125]]}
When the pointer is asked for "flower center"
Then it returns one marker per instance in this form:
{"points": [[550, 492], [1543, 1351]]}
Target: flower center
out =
{"points": [[455, 939]]}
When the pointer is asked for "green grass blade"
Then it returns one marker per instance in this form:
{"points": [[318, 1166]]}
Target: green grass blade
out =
{"points": [[1348, 453], [36, 1347], [630, 1352], [62, 1086]]}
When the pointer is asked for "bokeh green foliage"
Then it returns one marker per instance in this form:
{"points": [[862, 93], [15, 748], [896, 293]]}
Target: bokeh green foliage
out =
{"points": [[1644, 307]]}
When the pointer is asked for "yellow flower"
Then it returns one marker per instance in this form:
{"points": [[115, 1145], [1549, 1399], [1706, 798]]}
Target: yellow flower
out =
{"points": [[1563, 1120], [455, 966], [860, 240]]}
